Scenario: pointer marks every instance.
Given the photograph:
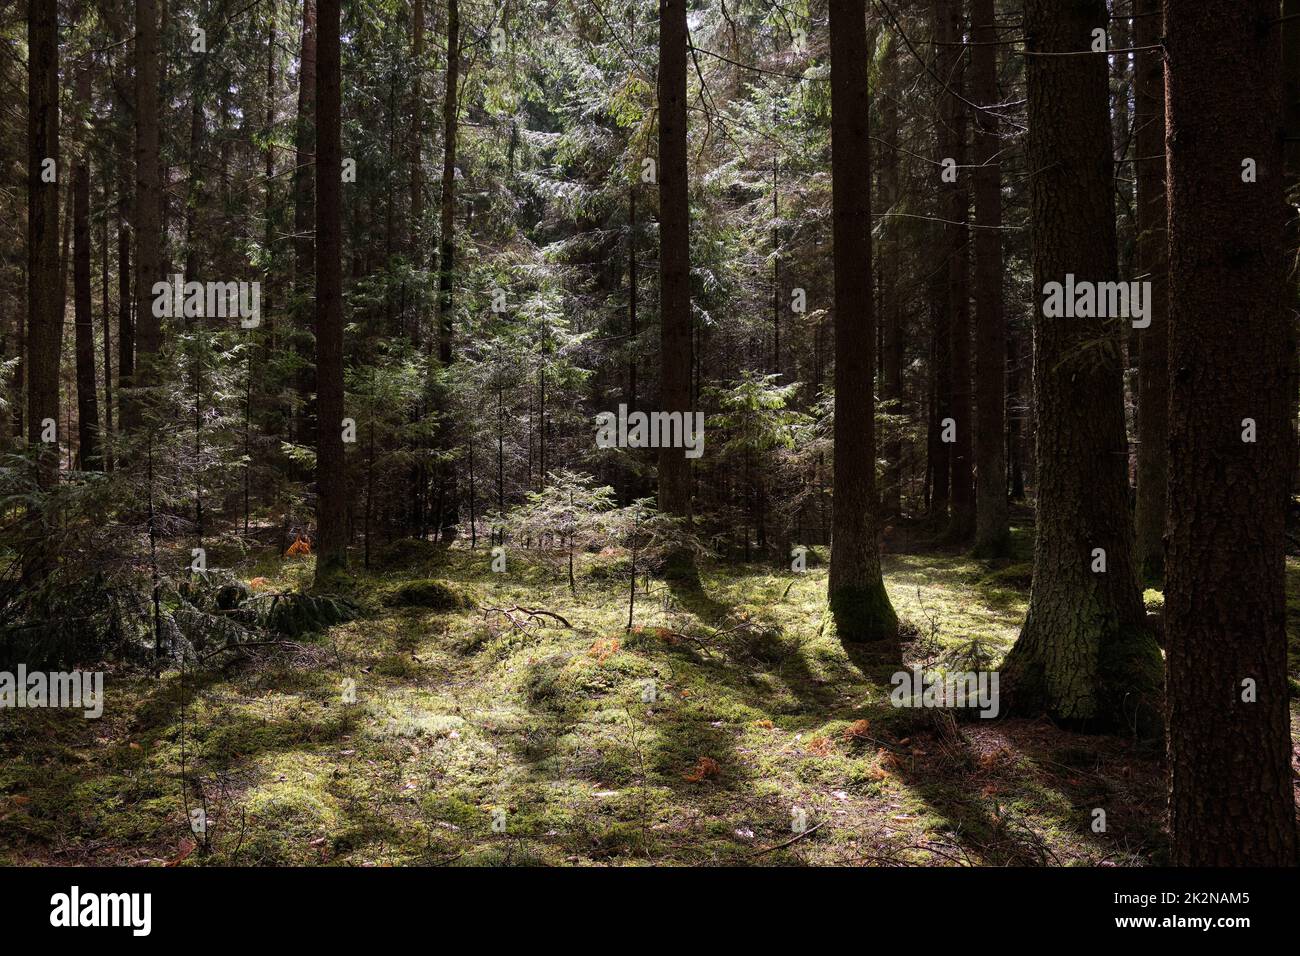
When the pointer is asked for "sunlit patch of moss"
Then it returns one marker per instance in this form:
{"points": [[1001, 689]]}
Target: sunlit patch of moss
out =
{"points": [[457, 714]]}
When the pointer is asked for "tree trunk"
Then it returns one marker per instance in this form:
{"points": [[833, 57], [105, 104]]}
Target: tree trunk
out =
{"points": [[304, 212], [951, 59], [88, 454], [415, 226], [1085, 655], [891, 305], [939, 452], [856, 589], [125, 313], [1153, 264], [447, 238], [992, 533], [44, 281], [331, 482], [148, 197], [108, 325], [449, 515], [675, 343], [1231, 798]]}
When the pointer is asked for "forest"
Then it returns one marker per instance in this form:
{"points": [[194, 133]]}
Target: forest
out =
{"points": [[694, 433]]}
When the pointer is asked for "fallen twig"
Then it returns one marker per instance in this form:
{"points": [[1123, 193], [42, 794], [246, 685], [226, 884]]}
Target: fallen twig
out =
{"points": [[794, 839]]}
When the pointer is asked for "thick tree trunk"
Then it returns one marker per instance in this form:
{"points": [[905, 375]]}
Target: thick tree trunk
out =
{"points": [[856, 589], [88, 453], [148, 197], [44, 279], [1085, 655], [1231, 797], [1290, 26], [992, 532], [331, 481], [675, 323], [1153, 265]]}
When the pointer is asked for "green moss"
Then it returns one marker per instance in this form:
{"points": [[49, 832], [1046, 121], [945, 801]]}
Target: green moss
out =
{"points": [[1130, 681], [863, 614], [456, 715], [428, 593], [1014, 577]]}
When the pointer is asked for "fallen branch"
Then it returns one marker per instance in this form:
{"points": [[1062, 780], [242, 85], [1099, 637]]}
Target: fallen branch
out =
{"points": [[531, 613], [794, 839]]}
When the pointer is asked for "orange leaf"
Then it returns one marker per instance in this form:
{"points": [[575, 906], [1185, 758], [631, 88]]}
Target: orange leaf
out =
{"points": [[858, 730], [819, 747], [706, 768], [186, 849]]}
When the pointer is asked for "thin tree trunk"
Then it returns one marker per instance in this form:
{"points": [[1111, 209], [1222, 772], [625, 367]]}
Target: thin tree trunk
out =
{"points": [[676, 341], [1231, 796], [125, 312], [448, 512], [304, 214], [856, 588], [891, 384], [952, 58], [108, 325], [992, 532], [447, 238], [415, 227], [148, 198], [88, 453], [1153, 266], [331, 483]]}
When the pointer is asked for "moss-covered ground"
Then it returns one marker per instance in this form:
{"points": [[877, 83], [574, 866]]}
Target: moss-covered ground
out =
{"points": [[689, 739]]}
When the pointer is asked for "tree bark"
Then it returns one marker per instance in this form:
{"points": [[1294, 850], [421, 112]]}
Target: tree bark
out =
{"points": [[857, 594], [938, 292], [449, 514], [1085, 655], [331, 482], [108, 325], [88, 453], [148, 198], [1153, 264], [891, 306], [44, 279], [1231, 798], [952, 59], [992, 531], [304, 213], [675, 324], [447, 237]]}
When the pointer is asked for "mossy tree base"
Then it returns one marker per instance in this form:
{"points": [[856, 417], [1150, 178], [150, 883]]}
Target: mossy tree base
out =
{"points": [[1109, 681], [863, 614]]}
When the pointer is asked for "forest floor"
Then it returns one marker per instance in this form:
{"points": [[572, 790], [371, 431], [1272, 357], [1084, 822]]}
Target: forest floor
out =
{"points": [[459, 713]]}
